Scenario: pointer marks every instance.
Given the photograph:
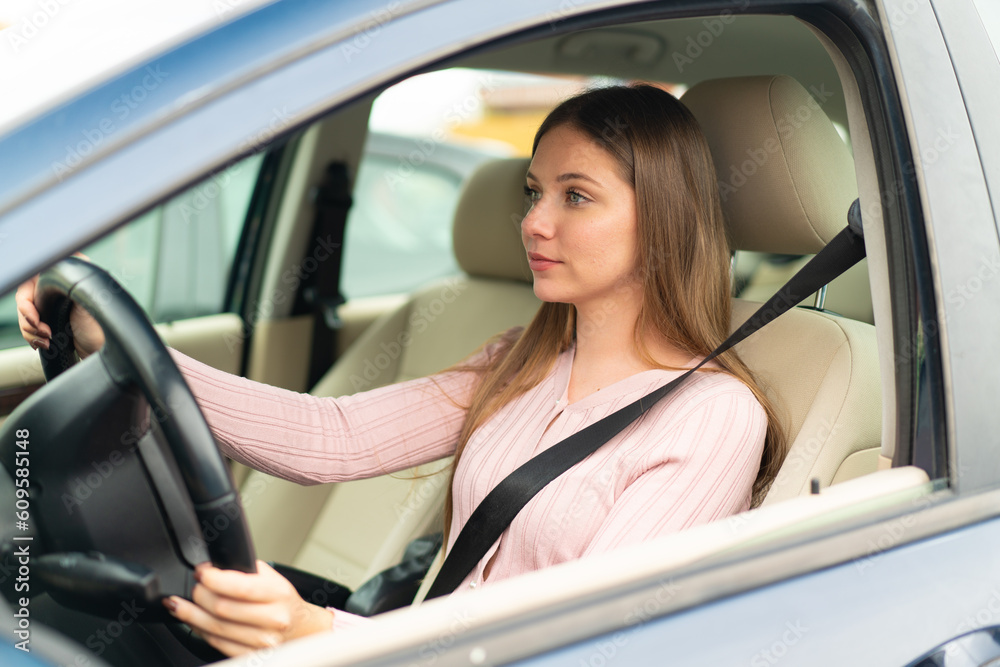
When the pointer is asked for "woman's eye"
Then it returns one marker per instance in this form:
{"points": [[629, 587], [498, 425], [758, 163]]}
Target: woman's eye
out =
{"points": [[575, 197], [532, 194]]}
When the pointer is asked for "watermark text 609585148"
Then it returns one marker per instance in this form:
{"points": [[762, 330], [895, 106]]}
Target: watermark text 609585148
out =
{"points": [[22, 543]]}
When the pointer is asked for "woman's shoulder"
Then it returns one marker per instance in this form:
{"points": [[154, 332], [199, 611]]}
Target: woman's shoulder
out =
{"points": [[714, 390]]}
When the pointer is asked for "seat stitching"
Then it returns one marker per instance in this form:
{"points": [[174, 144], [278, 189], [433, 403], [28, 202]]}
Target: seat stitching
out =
{"points": [[784, 161]]}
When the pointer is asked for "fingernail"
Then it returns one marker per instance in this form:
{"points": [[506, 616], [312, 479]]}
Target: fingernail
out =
{"points": [[34, 344], [170, 604]]}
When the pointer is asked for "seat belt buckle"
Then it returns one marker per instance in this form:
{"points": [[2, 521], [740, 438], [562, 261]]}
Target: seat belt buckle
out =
{"points": [[327, 306]]}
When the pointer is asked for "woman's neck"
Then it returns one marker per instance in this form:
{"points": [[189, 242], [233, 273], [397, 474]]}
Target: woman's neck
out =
{"points": [[606, 350]]}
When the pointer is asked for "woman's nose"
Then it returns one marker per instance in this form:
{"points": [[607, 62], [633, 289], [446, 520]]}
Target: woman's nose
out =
{"points": [[536, 221]]}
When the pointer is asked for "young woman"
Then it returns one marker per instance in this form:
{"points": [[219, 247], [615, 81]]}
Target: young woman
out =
{"points": [[626, 243]]}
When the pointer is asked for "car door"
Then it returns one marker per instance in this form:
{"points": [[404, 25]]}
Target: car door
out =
{"points": [[177, 261], [798, 594]]}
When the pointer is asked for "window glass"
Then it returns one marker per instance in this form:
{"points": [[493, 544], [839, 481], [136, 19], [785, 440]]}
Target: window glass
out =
{"points": [[399, 236], [174, 260], [426, 136], [989, 12]]}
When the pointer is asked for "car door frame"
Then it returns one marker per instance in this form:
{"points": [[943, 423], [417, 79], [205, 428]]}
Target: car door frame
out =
{"points": [[919, 192]]}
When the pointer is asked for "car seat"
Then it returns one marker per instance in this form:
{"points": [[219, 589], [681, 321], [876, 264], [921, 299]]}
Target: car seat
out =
{"points": [[350, 531], [820, 368], [796, 186], [787, 181]]}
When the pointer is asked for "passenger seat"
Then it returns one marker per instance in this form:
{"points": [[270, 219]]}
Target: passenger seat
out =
{"points": [[821, 369], [350, 531]]}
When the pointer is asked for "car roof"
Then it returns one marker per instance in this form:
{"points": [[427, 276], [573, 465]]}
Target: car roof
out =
{"points": [[63, 51], [42, 155]]}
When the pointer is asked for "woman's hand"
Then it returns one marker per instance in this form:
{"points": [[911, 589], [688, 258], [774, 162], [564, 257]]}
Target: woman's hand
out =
{"points": [[87, 335], [237, 612]]}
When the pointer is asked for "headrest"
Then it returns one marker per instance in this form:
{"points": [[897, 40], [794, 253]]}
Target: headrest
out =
{"points": [[487, 228], [785, 175]]}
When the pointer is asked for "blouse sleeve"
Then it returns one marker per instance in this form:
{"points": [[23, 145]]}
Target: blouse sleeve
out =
{"points": [[309, 439], [703, 470]]}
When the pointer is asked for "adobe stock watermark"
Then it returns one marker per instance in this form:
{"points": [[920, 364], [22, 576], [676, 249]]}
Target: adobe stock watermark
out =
{"points": [[33, 23], [90, 480], [982, 274], [696, 45], [900, 15], [780, 647], [787, 126], [653, 605], [428, 488], [85, 484], [196, 200], [893, 534], [453, 116], [419, 321], [608, 650], [986, 271], [102, 639], [590, 496], [806, 454], [943, 141], [369, 30], [223, 7], [120, 109], [430, 651], [327, 593], [985, 616], [323, 249], [279, 121]]}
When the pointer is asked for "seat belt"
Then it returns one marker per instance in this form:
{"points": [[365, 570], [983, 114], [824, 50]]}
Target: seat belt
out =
{"points": [[505, 501], [320, 292]]}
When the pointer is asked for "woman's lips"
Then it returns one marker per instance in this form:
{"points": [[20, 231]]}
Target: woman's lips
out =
{"points": [[540, 262]]}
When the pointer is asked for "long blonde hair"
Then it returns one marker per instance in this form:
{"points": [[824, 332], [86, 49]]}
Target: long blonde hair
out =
{"points": [[683, 257]]}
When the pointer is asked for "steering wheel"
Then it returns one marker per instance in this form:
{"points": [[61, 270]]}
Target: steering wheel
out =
{"points": [[177, 464]]}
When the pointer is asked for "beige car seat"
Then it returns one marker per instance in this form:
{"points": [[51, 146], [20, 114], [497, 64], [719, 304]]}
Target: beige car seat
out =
{"points": [[787, 181], [348, 532], [849, 295], [820, 369]]}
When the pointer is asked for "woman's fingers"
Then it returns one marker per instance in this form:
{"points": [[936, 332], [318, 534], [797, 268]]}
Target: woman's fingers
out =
{"points": [[265, 615], [221, 630], [263, 586], [235, 609], [87, 334], [36, 332]]}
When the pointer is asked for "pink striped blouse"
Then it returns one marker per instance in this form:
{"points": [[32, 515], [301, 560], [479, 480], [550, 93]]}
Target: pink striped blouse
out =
{"points": [[691, 459]]}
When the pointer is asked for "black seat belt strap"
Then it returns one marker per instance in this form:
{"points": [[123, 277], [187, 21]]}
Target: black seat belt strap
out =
{"points": [[321, 267], [505, 501]]}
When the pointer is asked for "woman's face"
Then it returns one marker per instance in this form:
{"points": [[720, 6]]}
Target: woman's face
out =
{"points": [[580, 233]]}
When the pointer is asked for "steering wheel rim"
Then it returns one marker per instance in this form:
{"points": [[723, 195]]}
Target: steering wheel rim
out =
{"points": [[134, 355]]}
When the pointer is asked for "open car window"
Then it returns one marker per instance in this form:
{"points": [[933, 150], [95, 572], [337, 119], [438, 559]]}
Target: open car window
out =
{"points": [[875, 474], [176, 259]]}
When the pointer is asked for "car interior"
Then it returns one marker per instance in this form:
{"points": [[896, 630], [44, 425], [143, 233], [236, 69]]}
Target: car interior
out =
{"points": [[821, 363], [782, 114]]}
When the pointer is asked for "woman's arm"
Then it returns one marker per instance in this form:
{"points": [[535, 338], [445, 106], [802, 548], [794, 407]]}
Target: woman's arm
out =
{"points": [[309, 439]]}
